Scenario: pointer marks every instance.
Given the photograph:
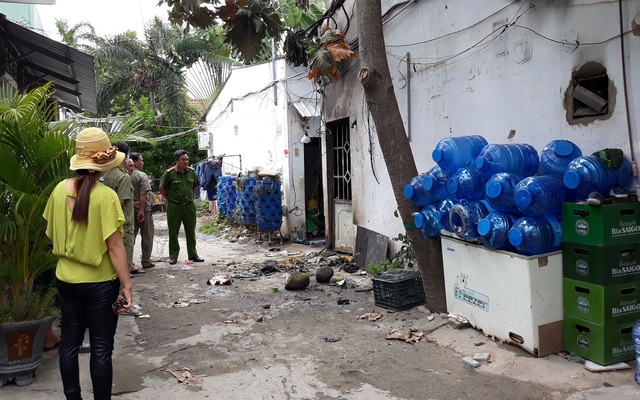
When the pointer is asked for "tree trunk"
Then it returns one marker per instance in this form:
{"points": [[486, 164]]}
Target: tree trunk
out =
{"points": [[381, 100]]}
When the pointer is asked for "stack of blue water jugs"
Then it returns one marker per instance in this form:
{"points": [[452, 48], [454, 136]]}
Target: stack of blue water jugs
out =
{"points": [[222, 195], [245, 201], [505, 195], [230, 195], [268, 204]]}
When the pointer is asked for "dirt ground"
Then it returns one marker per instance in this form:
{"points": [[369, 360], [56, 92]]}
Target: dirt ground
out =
{"points": [[248, 341]]}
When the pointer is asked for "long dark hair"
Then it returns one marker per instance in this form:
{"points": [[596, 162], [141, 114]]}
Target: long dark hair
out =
{"points": [[85, 181]]}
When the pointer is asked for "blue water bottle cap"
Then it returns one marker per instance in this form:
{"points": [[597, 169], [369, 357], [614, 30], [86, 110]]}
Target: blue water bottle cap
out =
{"points": [[418, 219], [493, 190], [484, 226], [563, 148], [480, 162], [522, 197], [409, 191], [515, 236], [428, 182], [437, 155], [452, 185], [571, 179]]}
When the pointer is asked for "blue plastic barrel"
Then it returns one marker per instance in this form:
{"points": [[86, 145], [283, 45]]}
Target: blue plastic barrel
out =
{"points": [[536, 235], [499, 191], [467, 183], [455, 152], [415, 191], [556, 156], [539, 195], [519, 159], [494, 230], [588, 174], [435, 183]]}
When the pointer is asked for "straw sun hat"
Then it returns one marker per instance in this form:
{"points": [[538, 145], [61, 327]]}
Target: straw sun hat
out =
{"points": [[94, 152]]}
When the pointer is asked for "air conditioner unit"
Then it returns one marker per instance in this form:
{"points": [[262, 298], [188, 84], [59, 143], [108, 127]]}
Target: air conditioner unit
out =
{"points": [[204, 140]]}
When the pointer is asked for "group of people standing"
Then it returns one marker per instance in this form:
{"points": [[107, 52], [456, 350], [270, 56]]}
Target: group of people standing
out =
{"points": [[93, 227]]}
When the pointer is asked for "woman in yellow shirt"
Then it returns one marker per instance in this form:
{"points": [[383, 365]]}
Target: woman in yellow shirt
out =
{"points": [[85, 222]]}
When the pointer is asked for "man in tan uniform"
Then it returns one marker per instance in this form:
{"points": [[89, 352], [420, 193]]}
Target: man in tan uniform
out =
{"points": [[119, 180], [142, 204]]}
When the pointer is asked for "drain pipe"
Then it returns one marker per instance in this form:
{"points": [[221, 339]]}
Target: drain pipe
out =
{"points": [[634, 165]]}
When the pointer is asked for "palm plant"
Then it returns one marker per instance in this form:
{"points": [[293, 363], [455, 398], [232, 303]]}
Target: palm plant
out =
{"points": [[34, 158], [74, 35], [155, 67]]}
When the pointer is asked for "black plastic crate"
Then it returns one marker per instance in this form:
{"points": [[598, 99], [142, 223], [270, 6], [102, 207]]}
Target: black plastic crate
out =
{"points": [[398, 289]]}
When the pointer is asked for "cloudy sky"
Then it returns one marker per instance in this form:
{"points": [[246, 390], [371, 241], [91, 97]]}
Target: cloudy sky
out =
{"points": [[107, 17]]}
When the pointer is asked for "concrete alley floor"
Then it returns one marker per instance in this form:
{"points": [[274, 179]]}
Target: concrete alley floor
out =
{"points": [[246, 341]]}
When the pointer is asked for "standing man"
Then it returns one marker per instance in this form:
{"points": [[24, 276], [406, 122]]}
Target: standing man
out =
{"points": [[178, 185], [119, 180], [142, 205]]}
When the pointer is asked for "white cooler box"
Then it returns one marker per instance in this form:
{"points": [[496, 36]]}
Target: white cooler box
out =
{"points": [[514, 298]]}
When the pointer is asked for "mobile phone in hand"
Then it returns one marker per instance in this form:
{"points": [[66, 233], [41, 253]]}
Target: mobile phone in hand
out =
{"points": [[119, 303]]}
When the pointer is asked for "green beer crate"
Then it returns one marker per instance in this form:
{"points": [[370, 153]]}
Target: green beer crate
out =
{"points": [[601, 265], [601, 225], [601, 304], [603, 344]]}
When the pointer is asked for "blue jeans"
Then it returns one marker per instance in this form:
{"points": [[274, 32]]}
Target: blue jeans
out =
{"points": [[87, 305]]}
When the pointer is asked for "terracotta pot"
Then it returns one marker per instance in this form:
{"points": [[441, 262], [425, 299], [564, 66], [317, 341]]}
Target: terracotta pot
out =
{"points": [[21, 351]]}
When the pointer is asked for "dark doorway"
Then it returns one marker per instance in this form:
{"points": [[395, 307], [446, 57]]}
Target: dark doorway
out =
{"points": [[313, 189]]}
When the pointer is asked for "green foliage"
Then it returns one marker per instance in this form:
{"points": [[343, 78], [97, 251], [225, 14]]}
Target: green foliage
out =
{"points": [[404, 258], [383, 266], [37, 306], [217, 225], [34, 158]]}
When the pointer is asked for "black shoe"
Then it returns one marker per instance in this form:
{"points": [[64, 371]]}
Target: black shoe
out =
{"points": [[172, 261], [147, 265], [197, 259]]}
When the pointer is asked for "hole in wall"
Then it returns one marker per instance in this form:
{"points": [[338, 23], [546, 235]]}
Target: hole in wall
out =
{"points": [[590, 94]]}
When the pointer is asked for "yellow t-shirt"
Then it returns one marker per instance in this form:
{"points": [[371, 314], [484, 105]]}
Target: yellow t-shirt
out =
{"points": [[82, 249]]}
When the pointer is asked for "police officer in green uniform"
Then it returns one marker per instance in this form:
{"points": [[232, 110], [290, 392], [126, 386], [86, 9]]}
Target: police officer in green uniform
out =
{"points": [[142, 203], [178, 185], [119, 180]]}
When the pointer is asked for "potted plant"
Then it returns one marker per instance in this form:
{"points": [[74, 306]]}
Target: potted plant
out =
{"points": [[34, 158]]}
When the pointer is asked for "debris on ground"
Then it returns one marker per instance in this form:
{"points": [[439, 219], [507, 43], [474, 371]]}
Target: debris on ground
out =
{"points": [[332, 339], [342, 301], [482, 357], [470, 362], [296, 281], [458, 322], [178, 304], [220, 280], [371, 316], [409, 335], [349, 268], [230, 321], [183, 375], [324, 274]]}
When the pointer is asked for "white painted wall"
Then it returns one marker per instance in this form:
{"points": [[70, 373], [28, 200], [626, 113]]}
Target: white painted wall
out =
{"points": [[251, 119], [466, 80]]}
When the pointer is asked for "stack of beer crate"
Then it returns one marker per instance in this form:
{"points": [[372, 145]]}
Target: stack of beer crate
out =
{"points": [[601, 279]]}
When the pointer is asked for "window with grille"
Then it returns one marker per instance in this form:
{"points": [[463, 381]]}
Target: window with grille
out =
{"points": [[341, 159]]}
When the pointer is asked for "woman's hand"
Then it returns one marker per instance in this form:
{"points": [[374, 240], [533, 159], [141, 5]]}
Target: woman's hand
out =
{"points": [[127, 293]]}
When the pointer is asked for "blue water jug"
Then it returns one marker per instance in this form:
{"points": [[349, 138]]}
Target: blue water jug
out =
{"points": [[467, 183], [635, 334], [519, 159], [426, 220], [536, 235], [435, 182], [415, 191], [452, 153], [539, 195], [444, 211], [588, 174], [556, 156], [494, 230], [464, 218], [499, 190]]}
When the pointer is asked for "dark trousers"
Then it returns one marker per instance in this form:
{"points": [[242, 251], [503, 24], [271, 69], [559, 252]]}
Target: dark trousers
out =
{"points": [[87, 305]]}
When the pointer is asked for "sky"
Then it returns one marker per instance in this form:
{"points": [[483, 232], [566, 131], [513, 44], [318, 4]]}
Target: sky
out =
{"points": [[108, 17]]}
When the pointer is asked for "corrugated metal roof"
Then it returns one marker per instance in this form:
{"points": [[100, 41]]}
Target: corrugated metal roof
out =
{"points": [[33, 59], [308, 108]]}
